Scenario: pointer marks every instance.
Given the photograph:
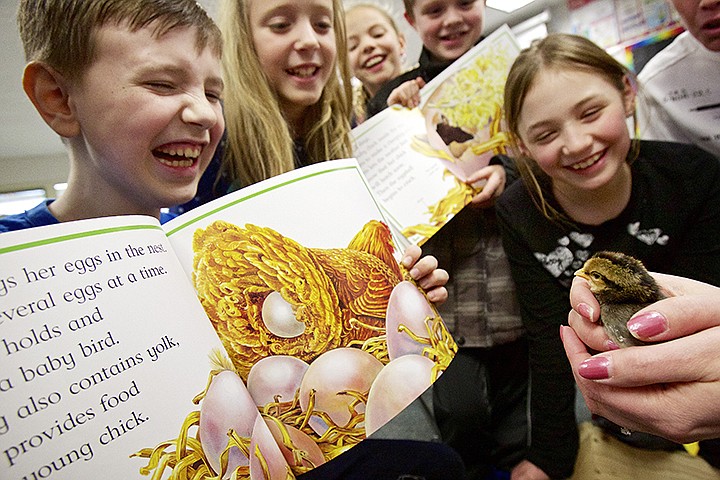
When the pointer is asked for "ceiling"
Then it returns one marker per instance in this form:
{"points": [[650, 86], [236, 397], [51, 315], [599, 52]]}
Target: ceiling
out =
{"points": [[24, 134]]}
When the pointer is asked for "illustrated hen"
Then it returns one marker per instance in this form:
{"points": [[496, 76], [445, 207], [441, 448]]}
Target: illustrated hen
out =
{"points": [[338, 295]]}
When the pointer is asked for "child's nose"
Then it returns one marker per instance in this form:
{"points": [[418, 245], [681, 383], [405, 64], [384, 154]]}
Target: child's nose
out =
{"points": [[368, 45], [452, 16], [575, 141], [199, 111], [306, 36]]}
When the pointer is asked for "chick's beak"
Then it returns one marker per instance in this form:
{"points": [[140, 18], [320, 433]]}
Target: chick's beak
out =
{"points": [[581, 273]]}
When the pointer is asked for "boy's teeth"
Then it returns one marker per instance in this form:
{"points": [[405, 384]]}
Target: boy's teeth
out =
{"points": [[176, 163], [187, 152]]}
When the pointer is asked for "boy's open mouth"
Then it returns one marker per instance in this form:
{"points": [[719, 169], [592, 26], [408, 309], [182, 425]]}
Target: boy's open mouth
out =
{"points": [[177, 157]]}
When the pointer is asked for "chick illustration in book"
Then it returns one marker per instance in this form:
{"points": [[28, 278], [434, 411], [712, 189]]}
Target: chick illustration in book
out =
{"points": [[322, 348], [464, 129]]}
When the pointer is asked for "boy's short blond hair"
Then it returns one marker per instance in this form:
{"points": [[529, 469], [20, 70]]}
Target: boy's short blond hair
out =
{"points": [[62, 33]]}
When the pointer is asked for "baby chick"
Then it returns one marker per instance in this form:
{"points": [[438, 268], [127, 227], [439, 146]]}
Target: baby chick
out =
{"points": [[622, 286]]}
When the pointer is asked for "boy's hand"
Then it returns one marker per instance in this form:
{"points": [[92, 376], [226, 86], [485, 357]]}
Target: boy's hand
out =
{"points": [[407, 94], [494, 177], [426, 273]]}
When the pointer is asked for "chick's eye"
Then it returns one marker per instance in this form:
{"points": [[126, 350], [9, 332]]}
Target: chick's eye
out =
{"points": [[595, 276]]}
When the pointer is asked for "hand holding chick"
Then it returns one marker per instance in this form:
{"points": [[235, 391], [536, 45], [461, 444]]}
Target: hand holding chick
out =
{"points": [[657, 388]]}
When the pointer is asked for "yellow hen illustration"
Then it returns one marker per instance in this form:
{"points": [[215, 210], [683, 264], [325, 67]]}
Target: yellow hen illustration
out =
{"points": [[267, 295]]}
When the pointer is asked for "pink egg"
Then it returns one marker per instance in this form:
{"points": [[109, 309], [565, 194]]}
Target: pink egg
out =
{"points": [[227, 405], [266, 460], [330, 374], [407, 306], [277, 375], [399, 383], [306, 449]]}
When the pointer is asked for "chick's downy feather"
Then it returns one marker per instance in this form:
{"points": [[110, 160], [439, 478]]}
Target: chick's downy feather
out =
{"points": [[622, 286]]}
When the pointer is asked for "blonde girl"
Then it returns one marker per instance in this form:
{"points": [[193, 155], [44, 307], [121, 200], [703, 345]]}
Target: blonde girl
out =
{"points": [[288, 99], [376, 50]]}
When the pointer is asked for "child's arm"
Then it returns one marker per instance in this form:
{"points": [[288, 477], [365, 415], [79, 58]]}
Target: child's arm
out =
{"points": [[407, 94]]}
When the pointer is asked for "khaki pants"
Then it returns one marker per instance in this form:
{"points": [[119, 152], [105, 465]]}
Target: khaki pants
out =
{"points": [[603, 457]]}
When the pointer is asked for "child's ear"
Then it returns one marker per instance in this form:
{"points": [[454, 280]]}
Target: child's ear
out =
{"points": [[409, 19], [47, 89], [629, 94], [521, 147]]}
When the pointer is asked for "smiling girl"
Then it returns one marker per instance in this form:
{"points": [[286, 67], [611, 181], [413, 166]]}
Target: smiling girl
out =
{"points": [[587, 186], [376, 48], [288, 91]]}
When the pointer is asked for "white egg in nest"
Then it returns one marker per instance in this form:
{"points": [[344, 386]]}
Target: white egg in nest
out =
{"points": [[307, 454], [408, 307], [267, 462], [279, 317], [399, 383], [275, 376], [330, 374], [226, 405]]}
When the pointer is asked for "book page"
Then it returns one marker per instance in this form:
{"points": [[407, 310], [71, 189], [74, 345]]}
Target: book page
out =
{"points": [[103, 345], [418, 161], [300, 278]]}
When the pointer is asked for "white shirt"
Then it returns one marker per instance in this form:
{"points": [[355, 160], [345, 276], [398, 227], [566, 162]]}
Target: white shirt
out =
{"points": [[679, 98]]}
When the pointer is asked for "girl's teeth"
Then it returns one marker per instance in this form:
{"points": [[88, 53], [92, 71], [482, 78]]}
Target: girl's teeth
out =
{"points": [[373, 61], [303, 72], [586, 163]]}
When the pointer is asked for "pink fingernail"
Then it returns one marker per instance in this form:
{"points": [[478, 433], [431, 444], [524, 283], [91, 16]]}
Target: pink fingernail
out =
{"points": [[648, 325], [585, 311], [595, 368]]}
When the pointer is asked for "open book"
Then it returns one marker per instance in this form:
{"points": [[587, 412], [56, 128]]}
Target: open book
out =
{"points": [[418, 161], [259, 336]]}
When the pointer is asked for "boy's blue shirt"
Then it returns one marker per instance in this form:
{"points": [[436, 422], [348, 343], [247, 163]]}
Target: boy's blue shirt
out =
{"points": [[40, 215]]}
